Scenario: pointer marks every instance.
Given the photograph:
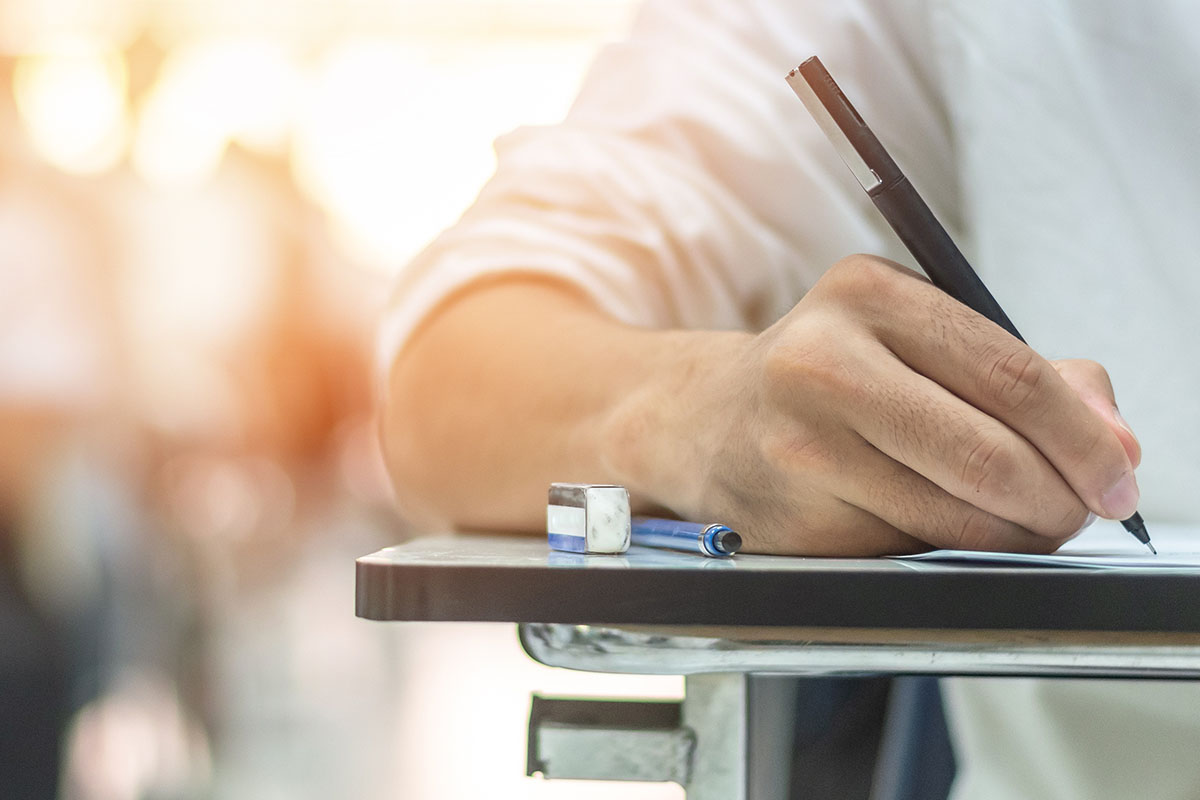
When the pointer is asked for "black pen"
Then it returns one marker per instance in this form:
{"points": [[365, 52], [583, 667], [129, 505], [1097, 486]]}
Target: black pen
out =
{"points": [[902, 207]]}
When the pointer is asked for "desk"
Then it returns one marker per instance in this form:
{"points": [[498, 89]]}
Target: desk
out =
{"points": [[734, 625]]}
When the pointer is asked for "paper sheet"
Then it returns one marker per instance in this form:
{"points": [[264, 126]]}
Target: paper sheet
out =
{"points": [[1105, 545]]}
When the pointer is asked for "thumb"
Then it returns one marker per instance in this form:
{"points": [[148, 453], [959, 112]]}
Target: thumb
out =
{"points": [[1090, 381]]}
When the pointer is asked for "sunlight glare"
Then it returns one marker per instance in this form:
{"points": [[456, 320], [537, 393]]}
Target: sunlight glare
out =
{"points": [[209, 94], [70, 94], [394, 141]]}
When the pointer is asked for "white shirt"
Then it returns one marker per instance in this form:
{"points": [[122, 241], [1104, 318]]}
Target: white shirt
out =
{"points": [[1057, 139]]}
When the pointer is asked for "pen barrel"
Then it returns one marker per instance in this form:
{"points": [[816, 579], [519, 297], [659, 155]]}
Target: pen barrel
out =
{"points": [[914, 222], [689, 537]]}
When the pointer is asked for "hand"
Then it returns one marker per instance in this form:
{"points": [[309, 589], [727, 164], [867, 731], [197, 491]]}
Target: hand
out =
{"points": [[880, 416]]}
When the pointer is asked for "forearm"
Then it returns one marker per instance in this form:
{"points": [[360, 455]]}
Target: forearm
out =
{"points": [[843, 429], [515, 385]]}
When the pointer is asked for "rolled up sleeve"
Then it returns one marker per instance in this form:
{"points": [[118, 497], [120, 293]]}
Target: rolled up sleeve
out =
{"points": [[687, 187]]}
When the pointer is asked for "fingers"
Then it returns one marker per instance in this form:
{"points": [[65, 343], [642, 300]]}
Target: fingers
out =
{"points": [[878, 505], [909, 502], [982, 364], [961, 450], [1090, 381], [900, 418], [837, 528]]}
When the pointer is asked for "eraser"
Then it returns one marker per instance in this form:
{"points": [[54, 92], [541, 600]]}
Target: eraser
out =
{"points": [[588, 518]]}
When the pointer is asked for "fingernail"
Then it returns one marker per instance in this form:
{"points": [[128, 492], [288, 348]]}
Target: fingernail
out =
{"points": [[1121, 499], [1116, 412], [1136, 455]]}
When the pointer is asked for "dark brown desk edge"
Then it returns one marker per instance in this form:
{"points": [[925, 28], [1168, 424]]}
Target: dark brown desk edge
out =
{"points": [[959, 599]]}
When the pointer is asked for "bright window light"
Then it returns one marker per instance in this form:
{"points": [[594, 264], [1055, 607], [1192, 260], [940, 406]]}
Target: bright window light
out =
{"points": [[70, 94]]}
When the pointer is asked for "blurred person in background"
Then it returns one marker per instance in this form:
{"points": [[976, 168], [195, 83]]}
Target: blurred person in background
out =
{"points": [[92, 605], [165, 468], [55, 372], [658, 293], [201, 205]]}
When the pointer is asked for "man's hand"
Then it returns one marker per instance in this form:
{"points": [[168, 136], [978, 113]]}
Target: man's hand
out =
{"points": [[878, 416]]}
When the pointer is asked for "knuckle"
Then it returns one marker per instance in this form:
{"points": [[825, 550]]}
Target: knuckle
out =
{"points": [[813, 364], [988, 469], [1086, 377], [780, 364], [1093, 371], [829, 377], [859, 278], [976, 530], [1013, 379]]}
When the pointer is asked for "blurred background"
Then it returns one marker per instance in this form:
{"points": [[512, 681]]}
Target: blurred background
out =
{"points": [[202, 204]]}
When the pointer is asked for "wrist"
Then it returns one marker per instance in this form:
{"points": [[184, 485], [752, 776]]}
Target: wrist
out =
{"points": [[660, 438]]}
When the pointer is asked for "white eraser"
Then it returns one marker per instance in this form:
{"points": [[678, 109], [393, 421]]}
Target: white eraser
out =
{"points": [[588, 518]]}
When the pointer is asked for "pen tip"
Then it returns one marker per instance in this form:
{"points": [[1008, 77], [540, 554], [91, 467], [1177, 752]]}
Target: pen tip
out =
{"points": [[1137, 526]]}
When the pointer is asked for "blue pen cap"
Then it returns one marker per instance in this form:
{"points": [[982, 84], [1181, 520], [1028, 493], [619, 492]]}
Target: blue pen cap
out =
{"points": [[720, 540]]}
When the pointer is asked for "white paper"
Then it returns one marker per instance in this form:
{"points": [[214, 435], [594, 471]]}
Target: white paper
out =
{"points": [[1105, 545]]}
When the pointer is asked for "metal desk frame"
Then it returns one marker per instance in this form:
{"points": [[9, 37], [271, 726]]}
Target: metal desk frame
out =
{"points": [[740, 661]]}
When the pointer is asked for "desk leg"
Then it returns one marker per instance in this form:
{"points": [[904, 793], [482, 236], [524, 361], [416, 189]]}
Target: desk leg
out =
{"points": [[730, 739], [744, 726]]}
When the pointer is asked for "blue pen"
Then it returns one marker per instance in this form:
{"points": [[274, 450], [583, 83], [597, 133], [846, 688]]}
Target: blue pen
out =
{"points": [[713, 540]]}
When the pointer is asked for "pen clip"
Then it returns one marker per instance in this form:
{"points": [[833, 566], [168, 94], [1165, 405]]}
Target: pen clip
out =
{"points": [[866, 176]]}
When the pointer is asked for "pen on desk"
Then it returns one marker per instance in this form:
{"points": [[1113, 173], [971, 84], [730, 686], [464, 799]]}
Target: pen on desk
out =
{"points": [[713, 540], [903, 207]]}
